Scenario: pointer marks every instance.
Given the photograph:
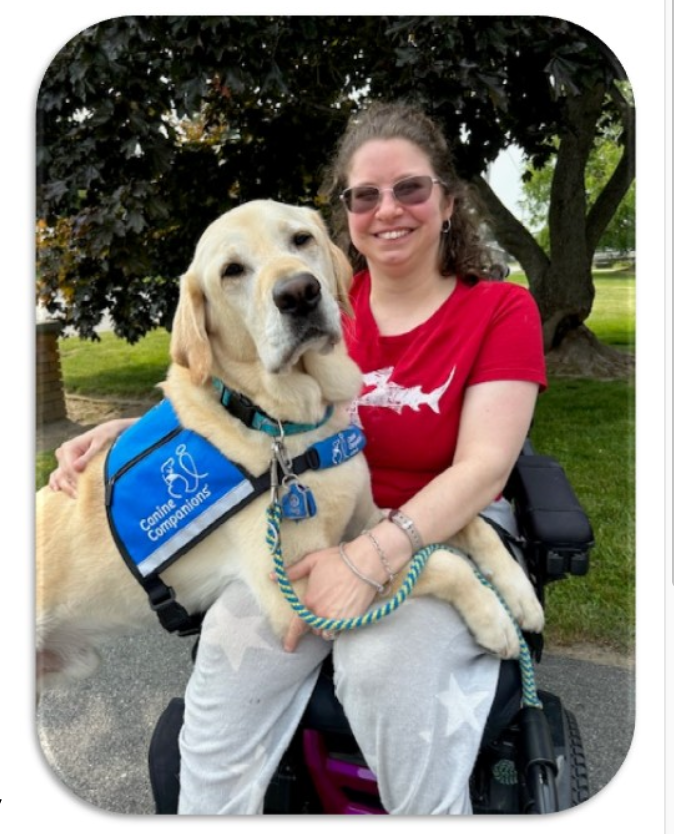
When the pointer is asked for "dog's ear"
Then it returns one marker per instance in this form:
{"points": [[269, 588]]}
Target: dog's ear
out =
{"points": [[190, 345], [340, 264], [343, 276]]}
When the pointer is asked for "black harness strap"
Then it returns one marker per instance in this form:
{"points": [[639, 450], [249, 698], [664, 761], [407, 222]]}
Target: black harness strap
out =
{"points": [[171, 614]]}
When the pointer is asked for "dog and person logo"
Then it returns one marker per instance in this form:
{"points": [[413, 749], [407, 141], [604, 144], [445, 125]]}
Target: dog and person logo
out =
{"points": [[344, 445], [185, 493], [186, 480]]}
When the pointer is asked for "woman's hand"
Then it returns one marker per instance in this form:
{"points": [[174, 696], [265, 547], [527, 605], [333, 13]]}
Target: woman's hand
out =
{"points": [[333, 590], [74, 455]]}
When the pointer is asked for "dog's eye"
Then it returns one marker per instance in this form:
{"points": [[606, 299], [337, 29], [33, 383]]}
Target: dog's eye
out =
{"points": [[302, 238], [232, 270]]}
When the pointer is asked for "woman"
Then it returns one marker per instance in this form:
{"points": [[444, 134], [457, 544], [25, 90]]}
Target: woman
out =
{"points": [[452, 368]]}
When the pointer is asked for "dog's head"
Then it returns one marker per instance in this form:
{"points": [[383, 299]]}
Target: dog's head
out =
{"points": [[266, 285]]}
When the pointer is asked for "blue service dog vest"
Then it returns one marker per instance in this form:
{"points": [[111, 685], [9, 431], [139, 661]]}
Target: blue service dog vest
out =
{"points": [[167, 487]]}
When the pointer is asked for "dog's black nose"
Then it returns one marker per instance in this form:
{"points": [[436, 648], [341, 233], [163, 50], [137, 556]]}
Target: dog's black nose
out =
{"points": [[297, 295]]}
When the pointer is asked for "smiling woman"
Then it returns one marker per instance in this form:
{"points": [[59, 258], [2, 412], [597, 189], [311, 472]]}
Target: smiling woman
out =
{"points": [[397, 237]]}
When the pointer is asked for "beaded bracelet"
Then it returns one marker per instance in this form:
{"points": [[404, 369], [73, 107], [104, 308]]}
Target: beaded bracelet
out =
{"points": [[407, 526], [382, 558], [371, 582]]}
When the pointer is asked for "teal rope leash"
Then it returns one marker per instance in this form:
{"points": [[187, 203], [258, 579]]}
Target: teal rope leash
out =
{"points": [[529, 690], [273, 538], [325, 623]]}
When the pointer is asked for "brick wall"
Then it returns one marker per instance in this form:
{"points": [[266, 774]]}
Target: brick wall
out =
{"points": [[50, 400]]}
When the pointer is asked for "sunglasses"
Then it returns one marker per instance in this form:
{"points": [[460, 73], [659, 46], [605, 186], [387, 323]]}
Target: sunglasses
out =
{"points": [[411, 191]]}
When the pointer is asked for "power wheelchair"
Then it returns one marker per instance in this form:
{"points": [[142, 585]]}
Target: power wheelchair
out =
{"points": [[531, 759]]}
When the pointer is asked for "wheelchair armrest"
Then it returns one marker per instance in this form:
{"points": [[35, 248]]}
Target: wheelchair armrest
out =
{"points": [[556, 530]]}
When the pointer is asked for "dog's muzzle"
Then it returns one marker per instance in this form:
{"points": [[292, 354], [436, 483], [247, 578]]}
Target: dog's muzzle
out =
{"points": [[307, 318], [298, 295]]}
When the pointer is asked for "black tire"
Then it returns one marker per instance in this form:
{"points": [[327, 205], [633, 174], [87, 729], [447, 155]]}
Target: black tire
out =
{"points": [[580, 783]]}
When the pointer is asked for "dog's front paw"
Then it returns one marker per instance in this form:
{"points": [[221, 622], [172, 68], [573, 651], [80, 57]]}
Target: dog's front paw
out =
{"points": [[531, 616], [521, 599], [493, 628]]}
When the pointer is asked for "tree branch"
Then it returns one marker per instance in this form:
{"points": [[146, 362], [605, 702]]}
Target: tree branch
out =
{"points": [[607, 202], [510, 233]]}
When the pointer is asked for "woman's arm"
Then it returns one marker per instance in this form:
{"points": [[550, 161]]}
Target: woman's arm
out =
{"points": [[495, 420], [74, 455]]}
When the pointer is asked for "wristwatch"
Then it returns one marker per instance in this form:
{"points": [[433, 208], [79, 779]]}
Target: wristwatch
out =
{"points": [[407, 526]]}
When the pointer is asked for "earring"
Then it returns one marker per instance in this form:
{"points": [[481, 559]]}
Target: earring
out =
{"points": [[446, 226]]}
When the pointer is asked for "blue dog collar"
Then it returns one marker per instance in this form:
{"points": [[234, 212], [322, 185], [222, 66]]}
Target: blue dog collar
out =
{"points": [[238, 405]]}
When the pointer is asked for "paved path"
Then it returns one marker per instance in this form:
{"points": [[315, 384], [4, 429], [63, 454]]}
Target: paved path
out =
{"points": [[96, 735]]}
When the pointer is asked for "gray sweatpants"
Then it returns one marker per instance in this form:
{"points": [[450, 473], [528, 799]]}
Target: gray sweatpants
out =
{"points": [[415, 687]]}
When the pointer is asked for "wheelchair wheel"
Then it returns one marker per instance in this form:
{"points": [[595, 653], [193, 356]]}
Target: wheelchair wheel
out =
{"points": [[580, 785], [571, 785], [552, 759]]}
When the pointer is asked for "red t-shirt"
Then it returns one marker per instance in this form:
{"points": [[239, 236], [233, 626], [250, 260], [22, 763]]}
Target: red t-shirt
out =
{"points": [[414, 383]]}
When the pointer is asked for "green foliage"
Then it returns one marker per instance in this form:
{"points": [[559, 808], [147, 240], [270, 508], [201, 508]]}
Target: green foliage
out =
{"points": [[149, 127], [620, 234]]}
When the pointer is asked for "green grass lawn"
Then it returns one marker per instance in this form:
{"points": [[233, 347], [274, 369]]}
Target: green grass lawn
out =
{"points": [[113, 367], [44, 463], [613, 316], [587, 425]]}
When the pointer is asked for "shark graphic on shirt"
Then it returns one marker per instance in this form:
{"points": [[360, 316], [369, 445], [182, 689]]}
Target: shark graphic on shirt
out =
{"points": [[387, 394]]}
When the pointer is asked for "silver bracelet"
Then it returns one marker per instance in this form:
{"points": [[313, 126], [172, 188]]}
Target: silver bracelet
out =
{"points": [[382, 557], [371, 582], [407, 526]]}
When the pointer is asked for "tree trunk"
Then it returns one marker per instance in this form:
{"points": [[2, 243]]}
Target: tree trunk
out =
{"points": [[562, 282], [566, 291], [581, 354], [563, 288]]}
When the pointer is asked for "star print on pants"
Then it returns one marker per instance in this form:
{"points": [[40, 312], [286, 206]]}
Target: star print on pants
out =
{"points": [[460, 708], [234, 634]]}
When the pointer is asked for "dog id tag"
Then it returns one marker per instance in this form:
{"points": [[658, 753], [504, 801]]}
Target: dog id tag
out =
{"points": [[298, 503]]}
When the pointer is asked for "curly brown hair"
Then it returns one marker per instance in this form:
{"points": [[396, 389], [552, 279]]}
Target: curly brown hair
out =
{"points": [[461, 252]]}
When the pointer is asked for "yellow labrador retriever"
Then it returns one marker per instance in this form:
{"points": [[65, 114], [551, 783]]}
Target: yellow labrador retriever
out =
{"points": [[259, 312]]}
